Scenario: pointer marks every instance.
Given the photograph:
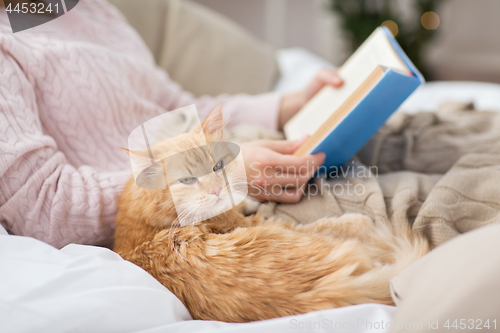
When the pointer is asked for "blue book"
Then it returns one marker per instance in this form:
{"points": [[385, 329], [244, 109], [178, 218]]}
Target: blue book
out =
{"points": [[378, 78]]}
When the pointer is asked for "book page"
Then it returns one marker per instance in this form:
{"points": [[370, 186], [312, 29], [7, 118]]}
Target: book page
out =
{"points": [[376, 50]]}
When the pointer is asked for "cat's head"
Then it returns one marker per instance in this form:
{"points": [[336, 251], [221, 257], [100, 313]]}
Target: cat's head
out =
{"points": [[191, 173]]}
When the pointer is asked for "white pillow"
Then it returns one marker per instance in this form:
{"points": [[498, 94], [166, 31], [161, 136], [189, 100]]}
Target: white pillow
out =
{"points": [[79, 288], [3, 231]]}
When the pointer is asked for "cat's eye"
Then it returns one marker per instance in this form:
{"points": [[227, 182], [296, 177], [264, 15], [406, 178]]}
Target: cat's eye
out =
{"points": [[188, 181], [218, 166]]}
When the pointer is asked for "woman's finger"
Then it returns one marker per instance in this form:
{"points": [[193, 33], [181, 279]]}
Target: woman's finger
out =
{"points": [[329, 76], [289, 195], [323, 77], [276, 177], [283, 146], [298, 164], [280, 194]]}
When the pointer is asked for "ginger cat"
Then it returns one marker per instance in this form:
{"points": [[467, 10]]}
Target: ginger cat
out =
{"points": [[237, 269]]}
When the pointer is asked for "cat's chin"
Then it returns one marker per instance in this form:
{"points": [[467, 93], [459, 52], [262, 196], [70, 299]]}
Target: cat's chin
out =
{"points": [[220, 203], [216, 211], [208, 211]]}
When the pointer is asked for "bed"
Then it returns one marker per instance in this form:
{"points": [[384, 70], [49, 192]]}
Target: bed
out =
{"points": [[91, 289]]}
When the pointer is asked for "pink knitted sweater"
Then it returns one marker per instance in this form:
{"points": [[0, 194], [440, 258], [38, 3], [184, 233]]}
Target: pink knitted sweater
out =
{"points": [[71, 91]]}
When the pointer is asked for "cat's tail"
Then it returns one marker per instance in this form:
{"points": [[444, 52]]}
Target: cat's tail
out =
{"points": [[394, 247], [389, 249]]}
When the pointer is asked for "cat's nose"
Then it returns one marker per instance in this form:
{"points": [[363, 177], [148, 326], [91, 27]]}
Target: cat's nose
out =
{"points": [[217, 191]]}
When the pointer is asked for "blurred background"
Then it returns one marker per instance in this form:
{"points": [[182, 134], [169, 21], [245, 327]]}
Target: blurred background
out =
{"points": [[447, 39]]}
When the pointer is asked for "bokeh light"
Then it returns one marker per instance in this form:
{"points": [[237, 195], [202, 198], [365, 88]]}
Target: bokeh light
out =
{"points": [[430, 20], [392, 26]]}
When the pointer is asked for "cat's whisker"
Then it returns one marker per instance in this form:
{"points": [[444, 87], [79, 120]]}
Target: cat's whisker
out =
{"points": [[172, 232], [179, 221], [193, 208], [182, 217]]}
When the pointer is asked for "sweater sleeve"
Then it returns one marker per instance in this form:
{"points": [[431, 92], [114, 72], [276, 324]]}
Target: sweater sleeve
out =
{"points": [[260, 109], [41, 195]]}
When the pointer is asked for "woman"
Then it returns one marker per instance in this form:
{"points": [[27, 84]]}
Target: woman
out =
{"points": [[71, 91]]}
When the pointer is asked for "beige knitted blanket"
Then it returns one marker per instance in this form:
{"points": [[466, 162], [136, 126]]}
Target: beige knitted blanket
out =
{"points": [[440, 172]]}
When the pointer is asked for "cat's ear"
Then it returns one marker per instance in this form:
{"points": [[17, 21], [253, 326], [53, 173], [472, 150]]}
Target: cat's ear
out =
{"points": [[128, 152], [148, 174], [213, 126], [137, 153], [139, 159]]}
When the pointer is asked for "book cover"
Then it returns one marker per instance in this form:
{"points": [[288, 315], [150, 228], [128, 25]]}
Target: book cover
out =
{"points": [[363, 112]]}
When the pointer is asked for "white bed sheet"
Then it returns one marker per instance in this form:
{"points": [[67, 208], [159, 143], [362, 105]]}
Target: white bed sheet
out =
{"points": [[485, 96], [90, 289]]}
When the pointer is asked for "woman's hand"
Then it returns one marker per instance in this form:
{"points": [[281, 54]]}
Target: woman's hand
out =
{"points": [[293, 102], [274, 174]]}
